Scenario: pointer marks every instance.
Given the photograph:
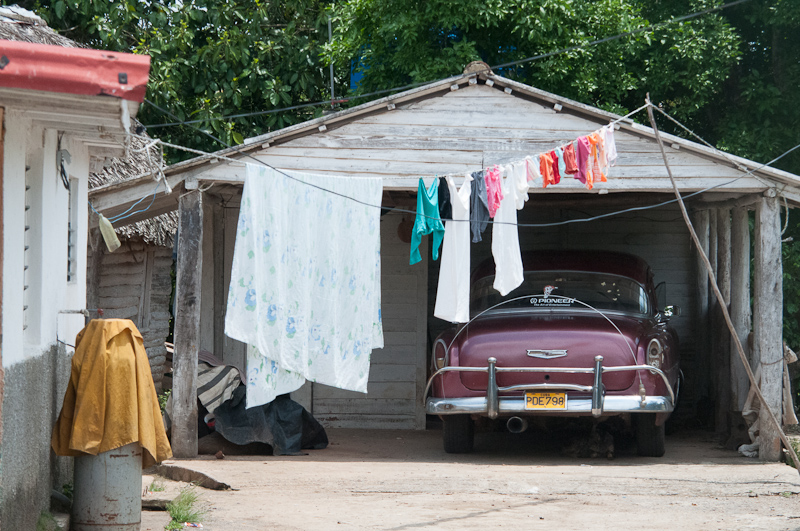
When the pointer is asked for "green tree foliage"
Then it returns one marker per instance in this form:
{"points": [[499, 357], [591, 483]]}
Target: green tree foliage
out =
{"points": [[210, 58], [394, 42]]}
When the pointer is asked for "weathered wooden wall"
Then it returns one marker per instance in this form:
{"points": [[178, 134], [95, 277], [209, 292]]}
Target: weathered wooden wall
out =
{"points": [[135, 283]]}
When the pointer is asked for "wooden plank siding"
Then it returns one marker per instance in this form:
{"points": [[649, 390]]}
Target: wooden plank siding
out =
{"points": [[135, 283]]}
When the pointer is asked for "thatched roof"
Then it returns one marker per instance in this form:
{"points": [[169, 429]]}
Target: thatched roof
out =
{"points": [[159, 230], [19, 24]]}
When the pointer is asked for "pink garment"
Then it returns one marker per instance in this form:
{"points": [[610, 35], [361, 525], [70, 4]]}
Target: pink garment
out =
{"points": [[534, 175], [494, 188], [583, 154]]}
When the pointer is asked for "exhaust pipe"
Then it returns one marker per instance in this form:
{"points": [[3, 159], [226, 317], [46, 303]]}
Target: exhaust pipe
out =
{"points": [[517, 424]]}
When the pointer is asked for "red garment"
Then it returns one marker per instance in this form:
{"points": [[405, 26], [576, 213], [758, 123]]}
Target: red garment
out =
{"points": [[556, 175], [569, 159], [494, 188]]}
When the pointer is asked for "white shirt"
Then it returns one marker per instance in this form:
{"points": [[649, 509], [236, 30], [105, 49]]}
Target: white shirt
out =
{"points": [[505, 235], [452, 295]]}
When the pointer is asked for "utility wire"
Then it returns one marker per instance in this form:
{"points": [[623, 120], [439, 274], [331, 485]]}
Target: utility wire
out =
{"points": [[482, 71]]}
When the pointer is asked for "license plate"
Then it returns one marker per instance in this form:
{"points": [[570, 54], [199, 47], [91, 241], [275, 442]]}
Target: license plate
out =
{"points": [[537, 400]]}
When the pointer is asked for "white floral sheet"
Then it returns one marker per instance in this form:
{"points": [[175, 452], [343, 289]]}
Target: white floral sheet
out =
{"points": [[305, 283]]}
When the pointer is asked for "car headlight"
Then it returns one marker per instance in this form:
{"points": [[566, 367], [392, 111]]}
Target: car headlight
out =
{"points": [[655, 353], [439, 354]]}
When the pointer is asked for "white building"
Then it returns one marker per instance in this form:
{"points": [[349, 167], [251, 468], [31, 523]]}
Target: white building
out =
{"points": [[64, 110]]}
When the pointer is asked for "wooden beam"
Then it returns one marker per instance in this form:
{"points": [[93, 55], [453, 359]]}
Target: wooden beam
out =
{"points": [[740, 302], [721, 334], [187, 325], [768, 320], [748, 200], [703, 355]]}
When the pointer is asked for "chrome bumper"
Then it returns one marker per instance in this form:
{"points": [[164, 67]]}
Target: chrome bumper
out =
{"points": [[493, 405]]}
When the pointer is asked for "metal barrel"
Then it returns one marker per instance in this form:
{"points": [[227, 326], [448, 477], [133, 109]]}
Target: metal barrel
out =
{"points": [[108, 490]]}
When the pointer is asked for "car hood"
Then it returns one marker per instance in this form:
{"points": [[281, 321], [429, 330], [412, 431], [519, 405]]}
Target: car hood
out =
{"points": [[534, 339]]}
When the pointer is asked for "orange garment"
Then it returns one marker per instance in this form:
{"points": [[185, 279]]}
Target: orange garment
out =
{"points": [[597, 174], [546, 169], [110, 400]]}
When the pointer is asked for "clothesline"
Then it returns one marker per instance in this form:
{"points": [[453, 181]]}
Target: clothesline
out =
{"points": [[216, 156]]}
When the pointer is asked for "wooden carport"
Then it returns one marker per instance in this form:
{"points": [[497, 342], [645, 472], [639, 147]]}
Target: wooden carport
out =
{"points": [[464, 124]]}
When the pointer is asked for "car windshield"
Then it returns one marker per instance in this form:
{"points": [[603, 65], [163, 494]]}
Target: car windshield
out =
{"points": [[563, 289]]}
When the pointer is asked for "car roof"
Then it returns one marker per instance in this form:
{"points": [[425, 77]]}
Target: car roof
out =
{"points": [[611, 262]]}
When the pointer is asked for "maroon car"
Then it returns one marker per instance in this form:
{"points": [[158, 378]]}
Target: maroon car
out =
{"points": [[581, 336]]}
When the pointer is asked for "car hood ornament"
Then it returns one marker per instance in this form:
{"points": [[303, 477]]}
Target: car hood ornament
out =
{"points": [[547, 354]]}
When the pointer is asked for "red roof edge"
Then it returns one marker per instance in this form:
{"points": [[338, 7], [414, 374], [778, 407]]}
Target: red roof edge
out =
{"points": [[73, 70]]}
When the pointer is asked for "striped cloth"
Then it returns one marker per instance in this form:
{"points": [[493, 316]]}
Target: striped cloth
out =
{"points": [[215, 385]]}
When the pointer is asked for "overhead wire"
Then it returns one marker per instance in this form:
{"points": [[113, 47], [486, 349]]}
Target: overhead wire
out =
{"points": [[477, 72]]}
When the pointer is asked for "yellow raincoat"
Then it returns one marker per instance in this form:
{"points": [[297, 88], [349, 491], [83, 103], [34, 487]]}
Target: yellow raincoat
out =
{"points": [[110, 400]]}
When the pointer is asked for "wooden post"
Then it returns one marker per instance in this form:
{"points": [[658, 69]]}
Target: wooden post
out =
{"points": [[768, 320], [711, 320], [220, 289], [187, 325], [702, 354], [740, 303], [721, 332]]}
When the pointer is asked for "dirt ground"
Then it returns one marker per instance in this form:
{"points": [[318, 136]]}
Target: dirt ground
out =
{"points": [[402, 480]]}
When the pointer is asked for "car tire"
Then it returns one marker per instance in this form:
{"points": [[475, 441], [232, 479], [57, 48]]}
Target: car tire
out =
{"points": [[458, 433], [649, 437]]}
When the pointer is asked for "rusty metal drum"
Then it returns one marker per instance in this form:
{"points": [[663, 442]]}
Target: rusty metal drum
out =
{"points": [[108, 490]]}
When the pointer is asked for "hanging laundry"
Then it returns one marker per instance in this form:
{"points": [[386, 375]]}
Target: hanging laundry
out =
{"points": [[445, 209], [611, 145], [554, 158], [305, 281], [570, 162], [494, 188], [505, 235], [546, 169], [594, 158], [534, 174], [562, 165], [479, 206], [452, 294], [584, 151], [427, 222]]}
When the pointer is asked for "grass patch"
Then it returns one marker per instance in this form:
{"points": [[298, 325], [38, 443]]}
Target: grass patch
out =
{"points": [[46, 522], [157, 486], [184, 509]]}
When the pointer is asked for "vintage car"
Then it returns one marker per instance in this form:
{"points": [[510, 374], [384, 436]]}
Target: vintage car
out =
{"points": [[581, 336]]}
